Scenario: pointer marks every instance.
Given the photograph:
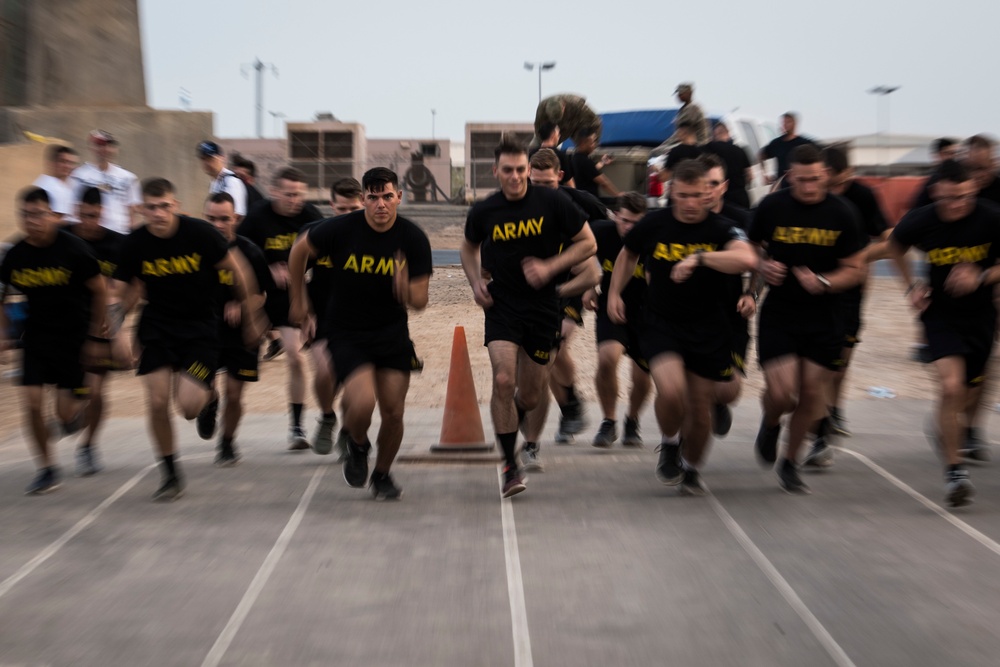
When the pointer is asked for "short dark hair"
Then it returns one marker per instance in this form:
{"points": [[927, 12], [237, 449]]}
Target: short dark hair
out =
{"points": [[509, 145], [953, 171], [546, 130], [981, 141], [376, 179], [939, 145], [835, 158], [791, 115], [289, 174], [349, 188], [31, 195], [805, 154], [92, 196], [239, 161], [689, 171], [631, 201], [719, 124], [712, 161], [584, 132], [545, 158], [221, 198], [157, 187], [56, 150]]}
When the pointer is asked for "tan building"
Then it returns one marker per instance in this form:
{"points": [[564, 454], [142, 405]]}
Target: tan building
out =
{"points": [[481, 140]]}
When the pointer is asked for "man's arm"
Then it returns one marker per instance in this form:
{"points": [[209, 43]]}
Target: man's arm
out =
{"points": [[736, 257], [539, 272], [850, 273], [302, 252], [585, 275], [606, 183], [622, 273], [98, 306], [471, 264]]}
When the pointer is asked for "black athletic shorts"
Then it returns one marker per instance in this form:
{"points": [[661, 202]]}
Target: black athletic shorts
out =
{"points": [[738, 343], [572, 309], [816, 337], [239, 362], [57, 364], [533, 325], [851, 316], [276, 306], [710, 359], [626, 334], [390, 349], [970, 339], [196, 357]]}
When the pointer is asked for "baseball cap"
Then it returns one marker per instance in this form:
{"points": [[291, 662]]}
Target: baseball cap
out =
{"points": [[102, 138], [684, 88], [209, 149]]}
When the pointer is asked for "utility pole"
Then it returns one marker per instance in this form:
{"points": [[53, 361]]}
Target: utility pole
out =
{"points": [[542, 67], [883, 92], [259, 67]]}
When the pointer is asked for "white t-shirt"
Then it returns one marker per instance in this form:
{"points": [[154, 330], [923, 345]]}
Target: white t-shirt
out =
{"points": [[227, 181], [120, 189], [62, 196]]}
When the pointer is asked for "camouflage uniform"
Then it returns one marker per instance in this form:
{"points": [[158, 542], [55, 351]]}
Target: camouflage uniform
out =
{"points": [[693, 114], [569, 112]]}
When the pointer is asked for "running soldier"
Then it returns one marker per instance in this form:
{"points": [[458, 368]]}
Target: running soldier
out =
{"points": [[961, 236], [60, 278], [814, 251], [382, 267], [274, 225], [686, 335], [615, 339], [524, 227], [239, 360], [106, 245], [175, 261]]}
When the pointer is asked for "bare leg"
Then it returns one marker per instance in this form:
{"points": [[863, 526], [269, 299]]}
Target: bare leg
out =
{"points": [[390, 388]]}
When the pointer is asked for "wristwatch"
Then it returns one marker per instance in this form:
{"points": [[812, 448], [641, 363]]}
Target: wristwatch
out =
{"points": [[823, 281]]}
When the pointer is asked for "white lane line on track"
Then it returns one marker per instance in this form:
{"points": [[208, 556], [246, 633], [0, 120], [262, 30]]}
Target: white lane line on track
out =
{"points": [[990, 544], [515, 584], [822, 635], [81, 525], [242, 610]]}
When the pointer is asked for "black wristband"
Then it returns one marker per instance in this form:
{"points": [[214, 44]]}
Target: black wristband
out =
{"points": [[98, 339]]}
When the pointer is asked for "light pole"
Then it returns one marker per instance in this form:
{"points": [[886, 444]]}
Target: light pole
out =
{"points": [[542, 67], [259, 68], [883, 92], [276, 115], [433, 120]]}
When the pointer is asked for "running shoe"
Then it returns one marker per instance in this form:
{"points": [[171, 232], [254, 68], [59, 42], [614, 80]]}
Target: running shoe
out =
{"points": [[274, 349], [691, 484], [572, 420], [531, 460], [341, 445], [356, 464], [227, 456], [46, 481], [297, 440], [383, 487], [722, 419], [87, 462], [606, 434], [513, 482], [838, 424], [789, 479], [323, 442], [821, 454], [171, 489], [974, 448], [766, 444], [563, 438], [668, 468], [958, 489], [631, 437], [207, 418]]}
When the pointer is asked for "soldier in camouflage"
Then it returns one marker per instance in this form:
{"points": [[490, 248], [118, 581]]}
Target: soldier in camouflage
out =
{"points": [[569, 112]]}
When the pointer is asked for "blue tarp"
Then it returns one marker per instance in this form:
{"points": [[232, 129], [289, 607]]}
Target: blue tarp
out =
{"points": [[650, 127]]}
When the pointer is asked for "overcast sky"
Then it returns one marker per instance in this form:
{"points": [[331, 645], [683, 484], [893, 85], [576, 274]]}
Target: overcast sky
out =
{"points": [[387, 64]]}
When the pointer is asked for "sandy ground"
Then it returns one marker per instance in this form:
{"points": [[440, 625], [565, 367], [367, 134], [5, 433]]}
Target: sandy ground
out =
{"points": [[882, 359]]}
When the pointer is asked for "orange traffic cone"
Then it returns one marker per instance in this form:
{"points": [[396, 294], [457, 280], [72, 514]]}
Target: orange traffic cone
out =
{"points": [[462, 426]]}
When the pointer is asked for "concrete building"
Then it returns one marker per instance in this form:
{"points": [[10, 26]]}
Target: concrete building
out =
{"points": [[888, 154], [480, 141]]}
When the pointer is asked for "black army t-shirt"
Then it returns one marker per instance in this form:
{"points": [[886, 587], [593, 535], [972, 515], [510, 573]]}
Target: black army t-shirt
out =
{"points": [[737, 162], [363, 266], [872, 221], [565, 164], [680, 153], [534, 226], [53, 279], [180, 278], [697, 307], [816, 236], [275, 234], [974, 239], [107, 249], [781, 150], [227, 288], [584, 172], [609, 244]]}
